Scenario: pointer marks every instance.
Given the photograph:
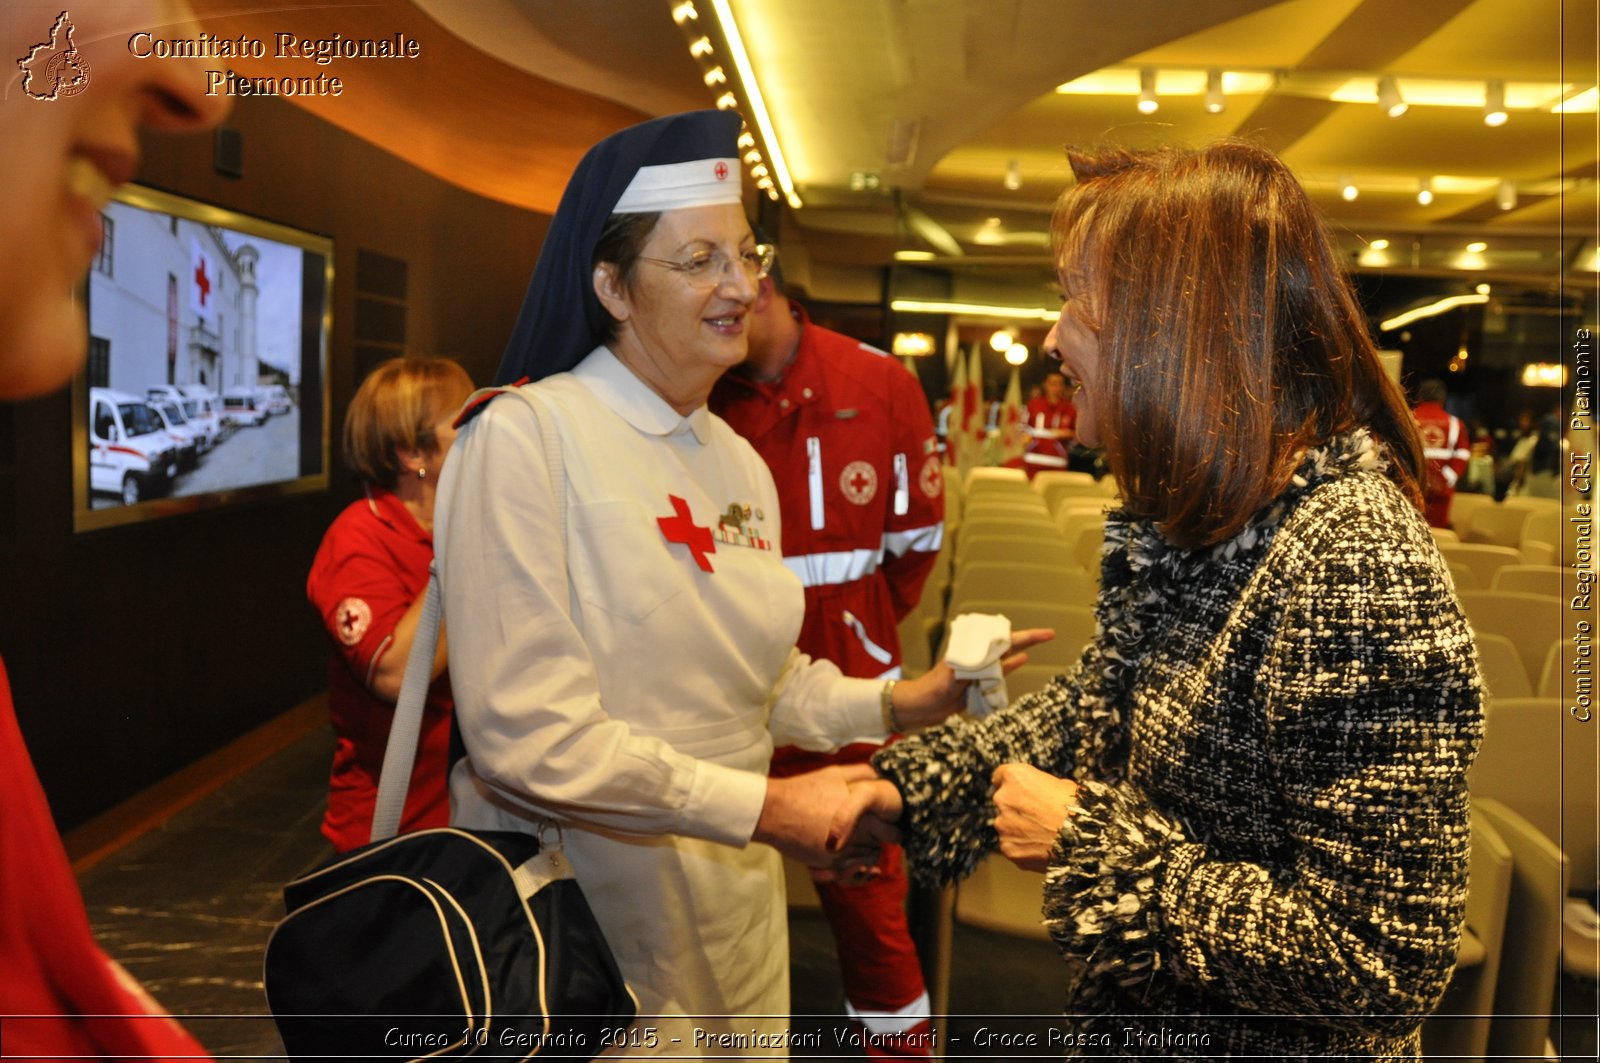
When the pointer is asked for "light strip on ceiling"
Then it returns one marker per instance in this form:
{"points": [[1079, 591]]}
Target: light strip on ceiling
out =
{"points": [[933, 306], [758, 106], [1449, 302]]}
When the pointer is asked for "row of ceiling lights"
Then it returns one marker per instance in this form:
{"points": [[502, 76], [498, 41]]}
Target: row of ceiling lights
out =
{"points": [[774, 180], [1394, 94]]}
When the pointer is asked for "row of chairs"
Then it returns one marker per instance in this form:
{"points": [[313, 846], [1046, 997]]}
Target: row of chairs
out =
{"points": [[1521, 523]]}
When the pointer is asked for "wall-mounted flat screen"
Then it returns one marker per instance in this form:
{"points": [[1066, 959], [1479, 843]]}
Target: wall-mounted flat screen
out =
{"points": [[206, 381]]}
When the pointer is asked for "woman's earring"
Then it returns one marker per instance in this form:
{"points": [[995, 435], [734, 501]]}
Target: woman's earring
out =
{"points": [[422, 472]]}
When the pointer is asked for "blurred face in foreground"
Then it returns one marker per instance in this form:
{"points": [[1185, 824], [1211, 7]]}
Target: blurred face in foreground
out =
{"points": [[71, 104]]}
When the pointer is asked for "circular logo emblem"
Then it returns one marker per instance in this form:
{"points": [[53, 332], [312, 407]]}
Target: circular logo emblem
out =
{"points": [[721, 171], [351, 620], [859, 482], [1433, 436], [67, 73], [931, 478]]}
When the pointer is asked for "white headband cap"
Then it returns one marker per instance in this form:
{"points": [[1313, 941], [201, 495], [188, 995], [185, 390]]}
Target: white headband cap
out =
{"points": [[698, 183]]}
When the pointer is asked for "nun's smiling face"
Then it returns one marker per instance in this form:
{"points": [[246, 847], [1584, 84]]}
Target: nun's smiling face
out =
{"points": [[681, 329]]}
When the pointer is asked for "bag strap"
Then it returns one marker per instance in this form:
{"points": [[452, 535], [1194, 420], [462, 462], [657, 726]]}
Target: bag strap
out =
{"points": [[400, 755]]}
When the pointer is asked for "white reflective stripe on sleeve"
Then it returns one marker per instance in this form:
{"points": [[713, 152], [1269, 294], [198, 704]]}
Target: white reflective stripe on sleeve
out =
{"points": [[906, 1018], [875, 651], [1045, 459], [902, 487], [838, 566], [1449, 475], [926, 540], [814, 475]]}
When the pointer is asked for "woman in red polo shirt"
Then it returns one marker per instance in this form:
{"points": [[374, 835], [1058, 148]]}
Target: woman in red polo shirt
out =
{"points": [[367, 581]]}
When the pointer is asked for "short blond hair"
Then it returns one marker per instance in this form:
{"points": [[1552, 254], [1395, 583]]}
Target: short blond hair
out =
{"points": [[395, 408]]}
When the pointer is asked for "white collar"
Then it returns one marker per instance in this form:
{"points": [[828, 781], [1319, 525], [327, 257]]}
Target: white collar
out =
{"points": [[633, 400]]}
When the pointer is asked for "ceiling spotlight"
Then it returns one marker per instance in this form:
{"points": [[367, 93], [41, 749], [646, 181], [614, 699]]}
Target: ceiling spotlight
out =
{"points": [[1016, 354], [1001, 341], [1216, 103], [746, 140], [1380, 244], [684, 12], [1494, 103], [1148, 104], [1477, 247], [727, 102], [700, 46], [1507, 195], [1389, 97], [1348, 189], [1425, 191], [1483, 289], [1013, 175], [715, 76]]}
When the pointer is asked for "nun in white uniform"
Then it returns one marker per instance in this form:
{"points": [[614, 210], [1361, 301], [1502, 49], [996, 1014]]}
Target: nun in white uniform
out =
{"points": [[626, 676]]}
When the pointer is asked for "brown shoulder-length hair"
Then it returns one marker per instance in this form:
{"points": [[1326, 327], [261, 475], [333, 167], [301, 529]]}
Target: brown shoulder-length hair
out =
{"points": [[396, 408], [1230, 341]]}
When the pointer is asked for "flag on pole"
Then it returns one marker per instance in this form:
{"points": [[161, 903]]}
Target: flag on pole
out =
{"points": [[1013, 440]]}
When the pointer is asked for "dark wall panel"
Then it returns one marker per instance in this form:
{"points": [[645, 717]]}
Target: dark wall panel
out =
{"points": [[135, 651]]}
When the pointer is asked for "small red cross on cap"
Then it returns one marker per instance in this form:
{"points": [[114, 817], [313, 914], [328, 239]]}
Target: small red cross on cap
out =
{"points": [[721, 170]]}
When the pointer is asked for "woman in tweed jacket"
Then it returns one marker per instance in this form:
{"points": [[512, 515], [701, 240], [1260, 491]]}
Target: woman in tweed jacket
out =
{"points": [[1249, 797]]}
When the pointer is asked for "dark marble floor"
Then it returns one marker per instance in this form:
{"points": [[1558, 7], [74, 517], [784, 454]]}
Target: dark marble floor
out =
{"points": [[188, 908]]}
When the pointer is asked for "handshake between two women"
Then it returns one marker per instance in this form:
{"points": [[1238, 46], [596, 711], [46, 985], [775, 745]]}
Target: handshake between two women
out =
{"points": [[837, 819]]}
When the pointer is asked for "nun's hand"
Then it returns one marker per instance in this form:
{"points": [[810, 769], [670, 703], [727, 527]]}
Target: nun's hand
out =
{"points": [[936, 694]]}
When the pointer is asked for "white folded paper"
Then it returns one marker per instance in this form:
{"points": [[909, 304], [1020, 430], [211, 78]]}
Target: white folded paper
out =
{"points": [[977, 642]]}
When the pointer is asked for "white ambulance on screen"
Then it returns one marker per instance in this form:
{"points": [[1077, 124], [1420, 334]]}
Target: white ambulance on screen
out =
{"points": [[131, 454]]}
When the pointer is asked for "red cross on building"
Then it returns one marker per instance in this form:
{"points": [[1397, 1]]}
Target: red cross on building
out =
{"points": [[202, 282], [681, 528]]}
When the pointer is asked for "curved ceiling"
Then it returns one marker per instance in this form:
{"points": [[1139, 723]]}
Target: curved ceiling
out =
{"points": [[901, 119]]}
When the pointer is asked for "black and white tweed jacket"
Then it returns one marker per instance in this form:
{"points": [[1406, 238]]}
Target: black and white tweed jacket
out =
{"points": [[1272, 736]]}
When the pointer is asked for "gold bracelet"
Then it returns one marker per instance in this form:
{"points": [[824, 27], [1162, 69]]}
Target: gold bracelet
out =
{"points": [[891, 720]]}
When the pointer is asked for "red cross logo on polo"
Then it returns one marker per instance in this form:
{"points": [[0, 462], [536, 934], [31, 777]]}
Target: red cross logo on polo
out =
{"points": [[352, 617], [721, 171], [681, 528], [859, 482], [931, 479]]}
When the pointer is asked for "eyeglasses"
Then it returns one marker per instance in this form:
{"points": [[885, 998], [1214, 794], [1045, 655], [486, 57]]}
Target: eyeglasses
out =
{"points": [[707, 269]]}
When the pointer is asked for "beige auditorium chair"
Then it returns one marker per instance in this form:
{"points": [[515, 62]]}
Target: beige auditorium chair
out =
{"points": [[1519, 1028], [1552, 678], [1529, 579], [1004, 581], [1542, 532], [1484, 559], [1501, 666], [1499, 525], [1543, 763], [1444, 535], [1006, 520], [1531, 621], [1000, 896], [1462, 509], [1017, 549], [1459, 1028]]}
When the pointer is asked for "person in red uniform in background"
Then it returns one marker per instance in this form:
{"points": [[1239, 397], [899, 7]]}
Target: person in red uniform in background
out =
{"points": [[68, 144], [1051, 424], [848, 436], [1446, 445], [366, 583]]}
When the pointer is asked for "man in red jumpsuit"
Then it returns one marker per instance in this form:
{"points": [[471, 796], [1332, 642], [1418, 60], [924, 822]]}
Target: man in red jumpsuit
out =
{"points": [[848, 436], [1051, 422], [1446, 447]]}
